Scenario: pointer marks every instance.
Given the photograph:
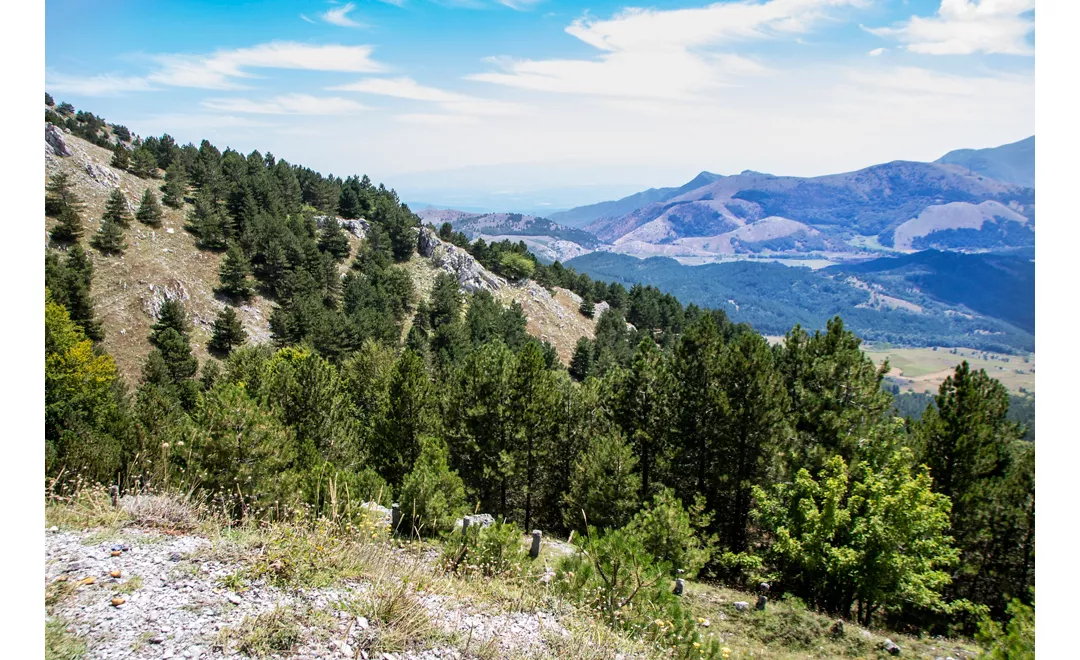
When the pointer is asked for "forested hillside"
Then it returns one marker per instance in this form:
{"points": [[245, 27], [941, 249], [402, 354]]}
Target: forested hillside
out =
{"points": [[677, 444], [925, 299]]}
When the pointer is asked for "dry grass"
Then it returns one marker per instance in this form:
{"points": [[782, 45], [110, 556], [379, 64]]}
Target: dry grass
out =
{"points": [[125, 287], [84, 508], [172, 512]]}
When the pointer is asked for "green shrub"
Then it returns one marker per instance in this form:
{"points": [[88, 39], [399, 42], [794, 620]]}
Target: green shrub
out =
{"points": [[1014, 641], [489, 551], [672, 534], [432, 495]]}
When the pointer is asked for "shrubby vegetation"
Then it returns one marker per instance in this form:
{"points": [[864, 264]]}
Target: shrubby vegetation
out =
{"points": [[677, 440]]}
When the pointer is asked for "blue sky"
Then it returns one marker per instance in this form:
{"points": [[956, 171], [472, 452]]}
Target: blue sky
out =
{"points": [[541, 104]]}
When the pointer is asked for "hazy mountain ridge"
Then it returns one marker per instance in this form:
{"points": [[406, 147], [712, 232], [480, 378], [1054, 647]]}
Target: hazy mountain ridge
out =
{"points": [[1012, 163], [583, 215]]}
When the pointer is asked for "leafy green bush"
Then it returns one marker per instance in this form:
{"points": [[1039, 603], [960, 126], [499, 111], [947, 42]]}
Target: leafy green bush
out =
{"points": [[1014, 641], [672, 534], [616, 576], [431, 495], [516, 266], [492, 550]]}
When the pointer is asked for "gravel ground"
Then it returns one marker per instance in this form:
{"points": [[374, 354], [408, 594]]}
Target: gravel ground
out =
{"points": [[182, 606]]}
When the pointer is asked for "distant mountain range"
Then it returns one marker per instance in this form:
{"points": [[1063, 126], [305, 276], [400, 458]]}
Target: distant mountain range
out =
{"points": [[930, 298], [968, 200], [895, 206]]}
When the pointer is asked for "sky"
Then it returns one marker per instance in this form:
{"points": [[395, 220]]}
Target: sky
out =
{"points": [[533, 105]]}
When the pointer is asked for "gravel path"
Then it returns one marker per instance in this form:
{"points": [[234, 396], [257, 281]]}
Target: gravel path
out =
{"points": [[181, 606]]}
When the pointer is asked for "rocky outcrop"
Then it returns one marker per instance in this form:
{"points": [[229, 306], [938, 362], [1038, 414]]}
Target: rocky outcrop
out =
{"points": [[454, 260], [54, 141], [357, 227]]}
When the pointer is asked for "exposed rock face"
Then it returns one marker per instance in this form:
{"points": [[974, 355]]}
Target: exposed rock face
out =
{"points": [[54, 141], [450, 258], [357, 227], [174, 290]]}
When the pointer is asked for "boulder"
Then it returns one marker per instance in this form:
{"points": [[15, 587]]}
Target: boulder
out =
{"points": [[54, 140], [454, 260], [742, 606], [890, 647]]}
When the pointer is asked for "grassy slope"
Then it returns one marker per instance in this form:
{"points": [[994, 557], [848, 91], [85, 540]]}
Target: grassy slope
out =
{"points": [[157, 261], [373, 572]]}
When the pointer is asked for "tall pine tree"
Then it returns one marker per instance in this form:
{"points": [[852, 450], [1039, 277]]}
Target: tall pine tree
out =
{"points": [[149, 212], [228, 332], [175, 186], [116, 209]]}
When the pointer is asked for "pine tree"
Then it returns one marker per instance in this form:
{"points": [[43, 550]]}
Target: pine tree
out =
{"points": [[977, 460], [175, 185], [171, 315], [121, 157], [60, 195], [235, 274], [605, 485], [207, 221], [581, 362], [80, 272], [175, 349], [116, 209], [144, 163], [149, 212], [332, 240], [68, 228], [228, 332], [587, 308], [409, 416], [110, 238]]}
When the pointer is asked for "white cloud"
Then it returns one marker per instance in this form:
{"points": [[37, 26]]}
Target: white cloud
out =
{"points": [[288, 104], [340, 16], [665, 54], [223, 69], [452, 102], [964, 27], [306, 18], [99, 85], [520, 5], [219, 70], [876, 52], [434, 119]]}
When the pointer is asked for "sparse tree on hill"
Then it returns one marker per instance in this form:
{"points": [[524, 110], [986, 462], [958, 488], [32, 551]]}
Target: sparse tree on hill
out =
{"points": [[149, 212], [175, 186], [144, 163], [60, 194], [170, 315], [121, 157], [228, 332], [110, 238], [587, 308], [116, 209], [49, 100], [69, 227], [235, 273]]}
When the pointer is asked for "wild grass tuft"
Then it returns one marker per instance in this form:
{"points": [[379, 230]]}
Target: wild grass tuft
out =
{"points": [[60, 644]]}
